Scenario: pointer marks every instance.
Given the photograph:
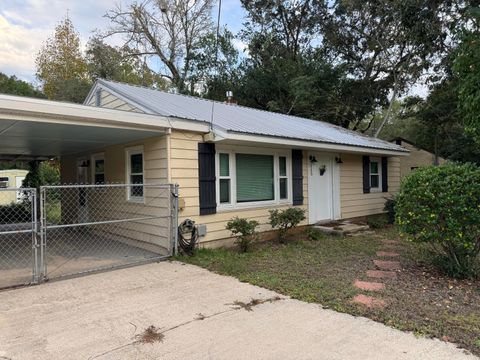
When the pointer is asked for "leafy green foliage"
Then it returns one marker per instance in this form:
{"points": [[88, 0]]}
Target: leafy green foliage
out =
{"points": [[389, 207], [60, 60], [244, 230], [45, 173], [285, 220], [114, 63], [314, 234], [15, 212], [440, 206], [467, 67], [377, 221], [13, 86]]}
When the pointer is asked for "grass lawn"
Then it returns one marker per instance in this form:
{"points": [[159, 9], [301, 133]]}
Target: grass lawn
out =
{"points": [[323, 271]]}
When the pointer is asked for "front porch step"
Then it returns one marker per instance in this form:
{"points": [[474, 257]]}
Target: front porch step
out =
{"points": [[342, 228]]}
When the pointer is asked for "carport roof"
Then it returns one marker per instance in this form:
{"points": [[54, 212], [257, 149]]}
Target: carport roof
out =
{"points": [[37, 129]]}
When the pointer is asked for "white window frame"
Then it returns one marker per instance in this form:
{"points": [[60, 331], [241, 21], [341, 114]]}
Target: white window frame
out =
{"points": [[134, 150], [379, 167], [232, 151], [220, 177], [93, 158]]}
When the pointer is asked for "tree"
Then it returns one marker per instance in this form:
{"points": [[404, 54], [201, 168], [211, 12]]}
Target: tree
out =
{"points": [[294, 24], [14, 86], [215, 64], [168, 30], [113, 63], [385, 46], [60, 65], [467, 67]]}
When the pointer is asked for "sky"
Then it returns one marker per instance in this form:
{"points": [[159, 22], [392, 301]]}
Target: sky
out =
{"points": [[26, 24]]}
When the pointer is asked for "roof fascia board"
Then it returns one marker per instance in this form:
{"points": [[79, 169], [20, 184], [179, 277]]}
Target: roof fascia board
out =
{"points": [[28, 109], [223, 136]]}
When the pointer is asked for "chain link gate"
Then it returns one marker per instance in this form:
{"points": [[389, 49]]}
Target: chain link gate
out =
{"points": [[84, 228], [18, 237]]}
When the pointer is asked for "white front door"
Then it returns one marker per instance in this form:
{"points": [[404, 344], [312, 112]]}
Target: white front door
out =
{"points": [[323, 187]]}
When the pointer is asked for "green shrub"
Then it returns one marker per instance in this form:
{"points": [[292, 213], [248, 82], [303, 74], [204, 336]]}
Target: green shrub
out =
{"points": [[16, 213], [314, 234], [377, 221], [244, 230], [390, 209], [285, 220], [441, 206]]}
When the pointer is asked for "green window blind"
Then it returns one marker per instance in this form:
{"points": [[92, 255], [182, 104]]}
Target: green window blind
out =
{"points": [[254, 177]]}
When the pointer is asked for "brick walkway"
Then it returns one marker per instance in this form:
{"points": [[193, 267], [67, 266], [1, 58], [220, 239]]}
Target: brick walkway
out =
{"points": [[385, 269]]}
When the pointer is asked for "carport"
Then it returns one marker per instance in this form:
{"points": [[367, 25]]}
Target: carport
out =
{"points": [[51, 232]]}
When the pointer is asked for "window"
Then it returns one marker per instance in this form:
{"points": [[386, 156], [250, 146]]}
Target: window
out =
{"points": [[224, 178], [283, 177], [3, 182], [254, 178], [375, 171], [249, 179], [135, 173], [98, 169]]}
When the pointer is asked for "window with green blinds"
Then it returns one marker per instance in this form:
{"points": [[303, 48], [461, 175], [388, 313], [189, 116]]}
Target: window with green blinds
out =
{"points": [[255, 180]]}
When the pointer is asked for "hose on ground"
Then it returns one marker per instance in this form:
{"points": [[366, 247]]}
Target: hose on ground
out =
{"points": [[187, 236]]}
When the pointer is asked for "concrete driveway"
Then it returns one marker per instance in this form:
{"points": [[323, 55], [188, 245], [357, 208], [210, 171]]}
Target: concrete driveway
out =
{"points": [[191, 315]]}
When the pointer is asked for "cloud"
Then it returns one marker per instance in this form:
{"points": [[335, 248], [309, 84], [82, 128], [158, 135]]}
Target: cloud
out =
{"points": [[18, 48], [26, 24]]}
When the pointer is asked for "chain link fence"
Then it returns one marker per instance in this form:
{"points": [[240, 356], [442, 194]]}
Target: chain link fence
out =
{"points": [[84, 228], [18, 240]]}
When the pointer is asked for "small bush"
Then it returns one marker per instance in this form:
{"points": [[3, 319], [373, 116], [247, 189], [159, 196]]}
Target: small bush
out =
{"points": [[377, 221], [439, 205], [244, 230], [285, 220], [16, 213], [390, 209], [314, 234]]}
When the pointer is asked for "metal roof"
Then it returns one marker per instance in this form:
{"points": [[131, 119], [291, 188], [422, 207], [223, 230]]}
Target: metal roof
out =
{"points": [[241, 119]]}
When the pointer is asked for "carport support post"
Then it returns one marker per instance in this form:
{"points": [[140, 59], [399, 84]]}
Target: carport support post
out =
{"points": [[175, 219]]}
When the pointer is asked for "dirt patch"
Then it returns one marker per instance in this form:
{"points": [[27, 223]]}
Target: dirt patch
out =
{"points": [[149, 336]]}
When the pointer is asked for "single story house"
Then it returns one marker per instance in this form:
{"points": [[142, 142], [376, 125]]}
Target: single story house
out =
{"points": [[11, 178], [418, 157], [228, 160], [243, 161]]}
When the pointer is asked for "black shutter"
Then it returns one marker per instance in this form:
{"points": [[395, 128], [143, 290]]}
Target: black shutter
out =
{"points": [[384, 174], [297, 177], [206, 178], [366, 174]]}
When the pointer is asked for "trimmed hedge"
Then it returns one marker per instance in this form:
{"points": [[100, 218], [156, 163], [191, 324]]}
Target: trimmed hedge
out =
{"points": [[440, 205]]}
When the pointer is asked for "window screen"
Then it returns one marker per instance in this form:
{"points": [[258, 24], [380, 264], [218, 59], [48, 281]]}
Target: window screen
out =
{"points": [[254, 178], [136, 174]]}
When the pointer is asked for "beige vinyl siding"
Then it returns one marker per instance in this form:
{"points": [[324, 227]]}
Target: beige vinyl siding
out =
{"points": [[353, 201], [417, 158], [111, 101], [155, 172], [184, 171]]}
